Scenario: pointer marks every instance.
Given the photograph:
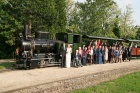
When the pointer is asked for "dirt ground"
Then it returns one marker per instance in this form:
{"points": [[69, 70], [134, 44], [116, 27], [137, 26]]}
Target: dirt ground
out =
{"points": [[6, 60], [24, 78]]}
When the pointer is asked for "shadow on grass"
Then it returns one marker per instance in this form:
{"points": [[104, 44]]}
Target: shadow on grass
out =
{"points": [[6, 65]]}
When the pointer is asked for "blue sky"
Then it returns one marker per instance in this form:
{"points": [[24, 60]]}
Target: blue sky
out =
{"points": [[122, 4]]}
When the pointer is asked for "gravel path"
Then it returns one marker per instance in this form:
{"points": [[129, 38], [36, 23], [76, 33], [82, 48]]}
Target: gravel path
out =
{"points": [[24, 78]]}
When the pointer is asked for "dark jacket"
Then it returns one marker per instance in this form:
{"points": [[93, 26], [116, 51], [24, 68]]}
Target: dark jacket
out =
{"points": [[84, 54], [63, 51]]}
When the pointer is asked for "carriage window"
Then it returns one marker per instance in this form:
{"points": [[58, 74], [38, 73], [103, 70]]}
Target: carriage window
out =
{"points": [[65, 38], [76, 39]]}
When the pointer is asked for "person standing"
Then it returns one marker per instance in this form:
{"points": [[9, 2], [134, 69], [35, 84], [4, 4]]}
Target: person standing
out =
{"points": [[80, 52], [112, 54], [78, 59], [68, 56], [95, 55], [84, 56], [90, 55], [99, 54], [93, 47], [120, 54], [129, 52], [106, 55], [103, 53], [98, 43], [83, 47], [126, 54], [116, 54], [63, 54], [123, 55], [109, 54]]}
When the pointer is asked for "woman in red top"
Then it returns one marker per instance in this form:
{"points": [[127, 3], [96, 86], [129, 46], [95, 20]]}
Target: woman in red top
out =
{"points": [[98, 43], [88, 48]]}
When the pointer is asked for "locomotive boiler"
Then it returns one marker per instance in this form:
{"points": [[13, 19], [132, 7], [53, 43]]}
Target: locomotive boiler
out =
{"points": [[38, 51]]}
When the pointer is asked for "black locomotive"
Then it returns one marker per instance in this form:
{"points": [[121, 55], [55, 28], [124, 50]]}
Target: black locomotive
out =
{"points": [[38, 51]]}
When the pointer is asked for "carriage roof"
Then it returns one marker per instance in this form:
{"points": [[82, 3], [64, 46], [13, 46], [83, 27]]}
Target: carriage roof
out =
{"points": [[132, 40], [103, 38]]}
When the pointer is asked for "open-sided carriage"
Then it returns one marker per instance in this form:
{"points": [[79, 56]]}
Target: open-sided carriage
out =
{"points": [[135, 47], [107, 39]]}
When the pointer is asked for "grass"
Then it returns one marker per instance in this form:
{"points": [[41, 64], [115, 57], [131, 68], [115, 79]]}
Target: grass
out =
{"points": [[125, 84], [6, 65]]}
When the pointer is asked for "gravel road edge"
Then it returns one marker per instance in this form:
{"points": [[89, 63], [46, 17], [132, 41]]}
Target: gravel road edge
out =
{"points": [[77, 82]]}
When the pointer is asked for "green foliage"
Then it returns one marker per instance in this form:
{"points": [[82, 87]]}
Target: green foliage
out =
{"points": [[72, 17], [117, 32], [6, 65], [44, 15], [138, 33], [127, 28], [125, 84], [6, 51], [116, 28], [101, 18], [95, 17]]}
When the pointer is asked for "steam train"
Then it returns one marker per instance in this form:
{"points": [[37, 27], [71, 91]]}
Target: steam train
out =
{"points": [[40, 51]]}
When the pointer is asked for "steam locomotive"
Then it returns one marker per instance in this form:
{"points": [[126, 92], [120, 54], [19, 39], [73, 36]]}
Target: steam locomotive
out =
{"points": [[38, 51]]}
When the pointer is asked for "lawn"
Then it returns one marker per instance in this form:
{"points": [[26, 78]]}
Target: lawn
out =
{"points": [[6, 65], [125, 84]]}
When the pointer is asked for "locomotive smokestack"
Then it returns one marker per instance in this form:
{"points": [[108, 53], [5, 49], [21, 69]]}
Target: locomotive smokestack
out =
{"points": [[26, 30]]}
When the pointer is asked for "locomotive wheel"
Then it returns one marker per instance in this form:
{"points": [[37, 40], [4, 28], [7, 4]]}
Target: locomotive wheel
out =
{"points": [[41, 63], [51, 60]]}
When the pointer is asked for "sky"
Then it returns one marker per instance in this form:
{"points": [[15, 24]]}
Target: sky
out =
{"points": [[122, 4]]}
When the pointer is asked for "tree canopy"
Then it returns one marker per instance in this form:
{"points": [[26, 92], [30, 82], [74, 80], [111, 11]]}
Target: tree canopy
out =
{"points": [[97, 17], [44, 15]]}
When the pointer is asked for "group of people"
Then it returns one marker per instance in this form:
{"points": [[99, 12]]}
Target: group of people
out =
{"points": [[96, 52]]}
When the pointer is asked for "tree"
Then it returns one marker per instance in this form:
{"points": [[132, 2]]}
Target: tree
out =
{"points": [[116, 28], [96, 17], [138, 32], [72, 17], [126, 24]]}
